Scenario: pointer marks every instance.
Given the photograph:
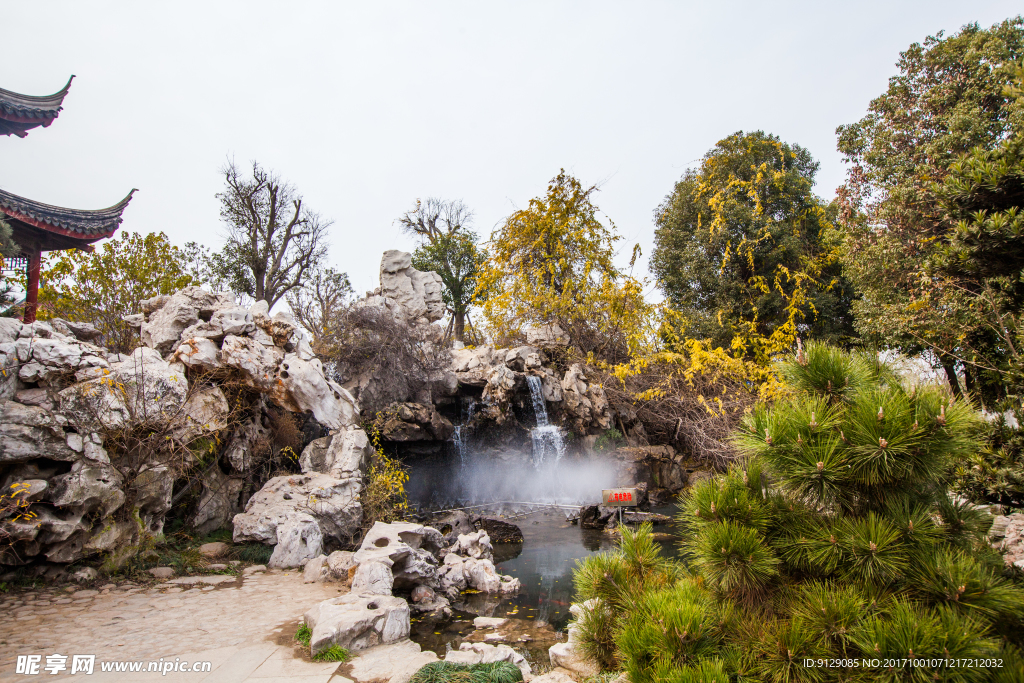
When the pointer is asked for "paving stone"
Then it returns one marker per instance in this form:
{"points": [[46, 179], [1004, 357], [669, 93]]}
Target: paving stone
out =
{"points": [[150, 624]]}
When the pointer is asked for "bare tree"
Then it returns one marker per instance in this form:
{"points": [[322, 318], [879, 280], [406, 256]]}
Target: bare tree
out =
{"points": [[273, 241], [320, 304], [433, 218]]}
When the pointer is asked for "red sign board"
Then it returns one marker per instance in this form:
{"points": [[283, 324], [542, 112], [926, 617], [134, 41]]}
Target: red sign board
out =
{"points": [[618, 497]]}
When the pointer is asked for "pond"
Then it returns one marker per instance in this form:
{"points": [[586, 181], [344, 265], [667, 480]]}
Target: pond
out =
{"points": [[544, 565]]}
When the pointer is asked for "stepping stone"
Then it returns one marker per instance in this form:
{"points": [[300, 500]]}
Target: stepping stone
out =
{"points": [[488, 622], [216, 549]]}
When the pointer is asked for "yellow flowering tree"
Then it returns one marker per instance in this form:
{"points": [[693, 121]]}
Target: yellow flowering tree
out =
{"points": [[748, 254], [553, 263]]}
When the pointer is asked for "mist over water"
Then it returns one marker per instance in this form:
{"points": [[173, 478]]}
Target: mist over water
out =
{"points": [[476, 480]]}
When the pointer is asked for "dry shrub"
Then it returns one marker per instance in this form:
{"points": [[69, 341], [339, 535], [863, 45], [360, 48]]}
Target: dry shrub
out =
{"points": [[692, 400], [381, 359]]}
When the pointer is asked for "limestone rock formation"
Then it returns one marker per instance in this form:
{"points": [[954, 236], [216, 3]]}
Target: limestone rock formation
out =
{"points": [[567, 654], [297, 513], [547, 335], [333, 567], [341, 455], [418, 293], [414, 422], [473, 367], [356, 622], [1007, 535], [469, 564], [408, 550], [407, 304]]}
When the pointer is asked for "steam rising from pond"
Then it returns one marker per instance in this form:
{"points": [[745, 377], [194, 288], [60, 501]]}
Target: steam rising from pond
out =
{"points": [[451, 483]]}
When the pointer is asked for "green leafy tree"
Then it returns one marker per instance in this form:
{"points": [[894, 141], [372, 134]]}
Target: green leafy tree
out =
{"points": [[104, 286], [449, 249], [836, 538], [976, 265], [745, 252], [950, 98], [553, 263], [273, 241]]}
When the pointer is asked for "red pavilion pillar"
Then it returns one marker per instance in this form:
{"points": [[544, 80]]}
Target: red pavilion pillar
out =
{"points": [[32, 292]]}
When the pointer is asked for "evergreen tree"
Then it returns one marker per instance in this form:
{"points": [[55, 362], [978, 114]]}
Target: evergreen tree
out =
{"points": [[836, 538]]}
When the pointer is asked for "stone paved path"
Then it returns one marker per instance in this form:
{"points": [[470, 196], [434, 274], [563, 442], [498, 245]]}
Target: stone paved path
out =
{"points": [[244, 626]]}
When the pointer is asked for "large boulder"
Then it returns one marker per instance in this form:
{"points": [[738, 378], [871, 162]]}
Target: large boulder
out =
{"points": [[356, 622], [218, 501], [469, 564], [341, 455], [459, 573], [476, 545], [415, 422], [142, 389], [417, 292], [409, 550], [297, 385], [298, 540], [585, 404], [547, 335], [333, 567], [501, 385], [473, 367], [568, 655], [28, 432], [305, 388], [296, 503]]}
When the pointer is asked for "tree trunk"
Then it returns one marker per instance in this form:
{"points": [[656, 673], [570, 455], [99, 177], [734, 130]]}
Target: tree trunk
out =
{"points": [[460, 325], [949, 365]]}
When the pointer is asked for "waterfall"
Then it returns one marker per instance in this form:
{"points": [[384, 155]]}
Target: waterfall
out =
{"points": [[460, 446], [546, 437], [460, 443]]}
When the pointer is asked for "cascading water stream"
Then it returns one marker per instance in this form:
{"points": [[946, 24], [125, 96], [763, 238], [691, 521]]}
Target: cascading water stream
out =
{"points": [[459, 442], [546, 437], [460, 446]]}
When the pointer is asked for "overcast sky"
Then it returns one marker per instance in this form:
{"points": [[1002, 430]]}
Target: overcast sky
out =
{"points": [[367, 106]]}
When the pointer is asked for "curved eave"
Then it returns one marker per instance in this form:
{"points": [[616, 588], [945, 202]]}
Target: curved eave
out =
{"points": [[29, 110], [80, 225]]}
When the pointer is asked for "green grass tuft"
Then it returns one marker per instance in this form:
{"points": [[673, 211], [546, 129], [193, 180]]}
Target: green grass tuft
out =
{"points": [[334, 653], [449, 672], [303, 634]]}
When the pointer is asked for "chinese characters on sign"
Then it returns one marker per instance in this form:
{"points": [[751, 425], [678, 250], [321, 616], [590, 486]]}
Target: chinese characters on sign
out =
{"points": [[619, 498]]}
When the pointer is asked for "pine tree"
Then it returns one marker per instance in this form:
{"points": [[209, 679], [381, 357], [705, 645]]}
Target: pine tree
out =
{"points": [[836, 538]]}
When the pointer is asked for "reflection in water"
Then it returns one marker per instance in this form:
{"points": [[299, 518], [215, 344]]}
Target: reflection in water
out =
{"points": [[544, 564]]}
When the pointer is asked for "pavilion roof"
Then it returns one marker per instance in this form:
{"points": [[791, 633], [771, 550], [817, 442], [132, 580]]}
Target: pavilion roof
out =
{"points": [[20, 113], [78, 225]]}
